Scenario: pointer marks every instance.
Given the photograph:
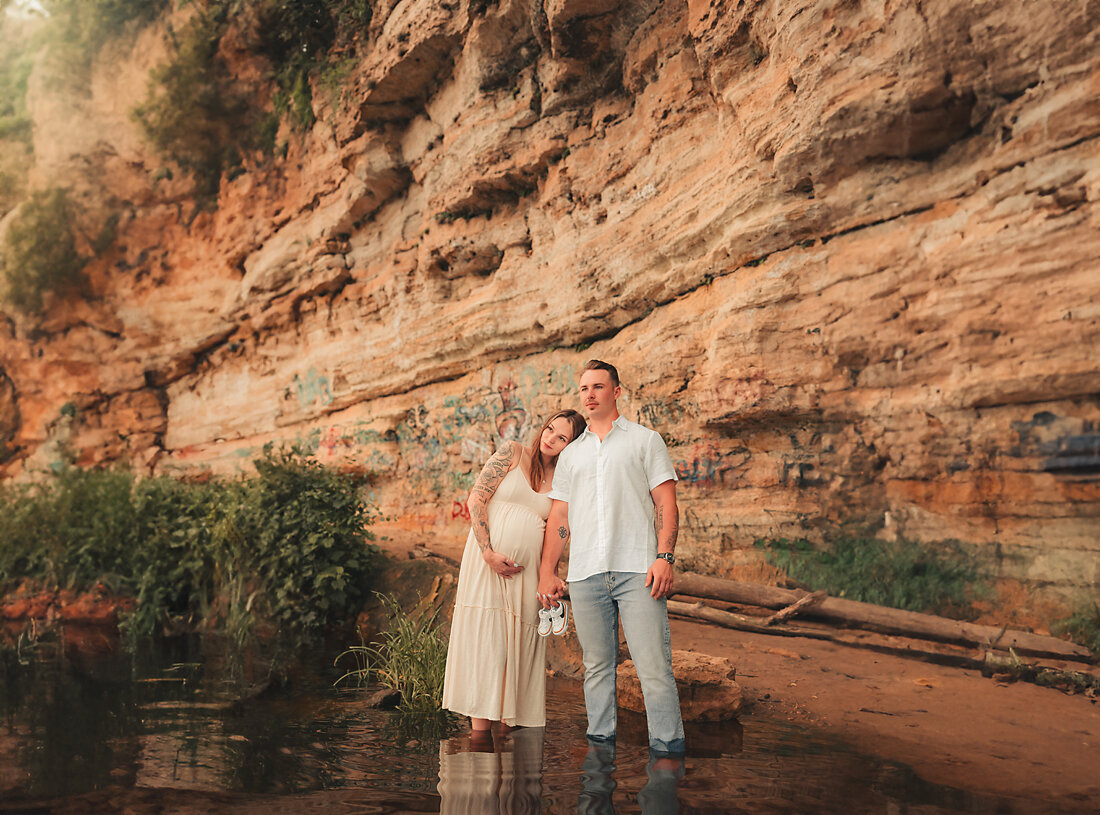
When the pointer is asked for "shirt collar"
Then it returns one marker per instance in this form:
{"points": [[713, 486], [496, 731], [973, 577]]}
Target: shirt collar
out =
{"points": [[620, 422]]}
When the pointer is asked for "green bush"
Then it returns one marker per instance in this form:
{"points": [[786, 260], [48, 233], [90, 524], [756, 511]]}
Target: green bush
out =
{"points": [[306, 524], [902, 574], [199, 116], [15, 68], [288, 548], [41, 254], [195, 114]]}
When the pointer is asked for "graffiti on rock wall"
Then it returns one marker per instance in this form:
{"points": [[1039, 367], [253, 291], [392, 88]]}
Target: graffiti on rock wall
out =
{"points": [[1070, 447], [460, 509], [661, 414], [799, 473], [312, 388], [512, 417], [436, 449], [710, 467]]}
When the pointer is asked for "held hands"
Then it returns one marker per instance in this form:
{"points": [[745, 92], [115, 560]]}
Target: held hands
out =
{"points": [[500, 564], [551, 588], [660, 576]]}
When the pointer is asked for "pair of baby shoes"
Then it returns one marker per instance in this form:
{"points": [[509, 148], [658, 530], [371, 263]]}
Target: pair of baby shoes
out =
{"points": [[553, 620]]}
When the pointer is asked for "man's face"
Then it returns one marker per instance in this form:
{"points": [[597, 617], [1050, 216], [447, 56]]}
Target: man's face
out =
{"points": [[598, 395]]}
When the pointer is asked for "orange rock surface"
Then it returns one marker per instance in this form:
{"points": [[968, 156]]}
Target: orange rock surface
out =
{"points": [[844, 255]]}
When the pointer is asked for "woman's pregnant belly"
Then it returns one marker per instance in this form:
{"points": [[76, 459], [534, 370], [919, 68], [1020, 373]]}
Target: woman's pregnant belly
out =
{"points": [[516, 532]]}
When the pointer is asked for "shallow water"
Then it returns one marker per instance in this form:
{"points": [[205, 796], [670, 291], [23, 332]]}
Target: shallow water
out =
{"points": [[96, 730]]}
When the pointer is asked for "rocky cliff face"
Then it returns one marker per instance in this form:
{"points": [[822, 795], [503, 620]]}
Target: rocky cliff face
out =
{"points": [[845, 255]]}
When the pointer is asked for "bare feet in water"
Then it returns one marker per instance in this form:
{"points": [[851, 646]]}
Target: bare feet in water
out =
{"points": [[481, 741]]}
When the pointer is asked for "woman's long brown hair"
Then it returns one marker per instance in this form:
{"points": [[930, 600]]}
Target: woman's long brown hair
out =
{"points": [[578, 423]]}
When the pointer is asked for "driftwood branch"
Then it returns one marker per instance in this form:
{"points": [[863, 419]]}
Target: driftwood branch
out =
{"points": [[784, 614], [881, 619], [728, 619]]}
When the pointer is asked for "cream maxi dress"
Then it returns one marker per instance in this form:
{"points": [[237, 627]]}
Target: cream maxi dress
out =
{"points": [[496, 661]]}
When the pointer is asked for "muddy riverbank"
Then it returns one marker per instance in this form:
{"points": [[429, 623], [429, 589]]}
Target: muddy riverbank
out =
{"points": [[952, 726]]}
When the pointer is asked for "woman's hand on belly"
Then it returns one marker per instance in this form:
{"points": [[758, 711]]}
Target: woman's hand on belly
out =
{"points": [[501, 564]]}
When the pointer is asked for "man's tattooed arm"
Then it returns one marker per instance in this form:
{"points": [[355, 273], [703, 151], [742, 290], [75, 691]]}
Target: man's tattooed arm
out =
{"points": [[486, 485], [668, 517], [553, 542]]}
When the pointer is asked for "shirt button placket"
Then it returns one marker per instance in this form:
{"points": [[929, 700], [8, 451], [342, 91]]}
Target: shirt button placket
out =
{"points": [[601, 531]]}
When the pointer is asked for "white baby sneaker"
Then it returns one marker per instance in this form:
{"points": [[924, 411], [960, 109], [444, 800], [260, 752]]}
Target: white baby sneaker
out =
{"points": [[544, 621], [559, 618]]}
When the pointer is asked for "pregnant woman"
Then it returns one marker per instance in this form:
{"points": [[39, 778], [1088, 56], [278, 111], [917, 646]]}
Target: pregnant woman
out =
{"points": [[496, 661]]}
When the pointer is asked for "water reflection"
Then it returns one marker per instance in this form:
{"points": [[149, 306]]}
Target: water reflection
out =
{"points": [[101, 730], [659, 796], [503, 776]]}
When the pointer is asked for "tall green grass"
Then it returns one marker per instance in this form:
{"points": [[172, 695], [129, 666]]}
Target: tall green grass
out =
{"points": [[411, 658]]}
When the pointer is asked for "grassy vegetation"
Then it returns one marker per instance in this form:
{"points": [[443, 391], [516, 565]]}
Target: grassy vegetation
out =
{"points": [[288, 550], [411, 659], [903, 574], [1083, 626], [41, 254]]}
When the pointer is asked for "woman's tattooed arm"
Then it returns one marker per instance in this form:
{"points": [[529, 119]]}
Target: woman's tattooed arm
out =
{"points": [[486, 485]]}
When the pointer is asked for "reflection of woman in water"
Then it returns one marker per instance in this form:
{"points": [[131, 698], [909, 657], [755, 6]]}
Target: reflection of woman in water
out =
{"points": [[496, 664], [508, 782]]}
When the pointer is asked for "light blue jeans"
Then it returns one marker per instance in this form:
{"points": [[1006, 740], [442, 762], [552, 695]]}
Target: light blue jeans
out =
{"points": [[599, 602]]}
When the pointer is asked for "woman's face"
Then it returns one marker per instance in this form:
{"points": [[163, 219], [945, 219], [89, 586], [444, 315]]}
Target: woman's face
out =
{"points": [[555, 436]]}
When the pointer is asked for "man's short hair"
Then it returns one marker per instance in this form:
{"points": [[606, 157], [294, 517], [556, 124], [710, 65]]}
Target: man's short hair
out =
{"points": [[600, 365]]}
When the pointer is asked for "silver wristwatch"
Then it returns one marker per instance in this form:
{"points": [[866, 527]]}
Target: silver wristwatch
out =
{"points": [[668, 557]]}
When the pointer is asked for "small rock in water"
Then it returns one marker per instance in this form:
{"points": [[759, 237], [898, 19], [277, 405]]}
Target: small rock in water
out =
{"points": [[387, 699]]}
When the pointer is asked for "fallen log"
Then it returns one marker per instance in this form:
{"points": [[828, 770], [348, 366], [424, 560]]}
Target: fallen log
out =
{"points": [[874, 642], [881, 619], [1001, 667]]}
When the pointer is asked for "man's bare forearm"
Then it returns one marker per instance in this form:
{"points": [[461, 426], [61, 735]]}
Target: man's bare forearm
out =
{"points": [[554, 540], [668, 528], [667, 516]]}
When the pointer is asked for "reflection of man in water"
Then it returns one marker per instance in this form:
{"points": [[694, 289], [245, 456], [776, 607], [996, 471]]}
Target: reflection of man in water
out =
{"points": [[657, 797]]}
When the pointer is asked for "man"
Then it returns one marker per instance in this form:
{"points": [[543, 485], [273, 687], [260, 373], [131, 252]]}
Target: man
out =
{"points": [[614, 502]]}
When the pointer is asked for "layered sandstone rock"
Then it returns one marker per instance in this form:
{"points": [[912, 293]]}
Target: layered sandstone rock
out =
{"points": [[845, 256], [709, 691]]}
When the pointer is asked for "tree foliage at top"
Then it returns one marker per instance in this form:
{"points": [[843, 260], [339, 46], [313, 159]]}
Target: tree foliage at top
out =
{"points": [[41, 254], [199, 115]]}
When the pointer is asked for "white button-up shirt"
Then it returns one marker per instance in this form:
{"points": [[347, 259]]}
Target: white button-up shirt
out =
{"points": [[607, 486]]}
